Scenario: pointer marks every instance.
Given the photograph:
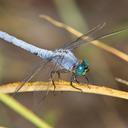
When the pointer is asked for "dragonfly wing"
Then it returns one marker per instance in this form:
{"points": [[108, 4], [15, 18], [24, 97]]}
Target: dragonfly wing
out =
{"points": [[84, 39], [40, 66], [86, 35], [54, 69]]}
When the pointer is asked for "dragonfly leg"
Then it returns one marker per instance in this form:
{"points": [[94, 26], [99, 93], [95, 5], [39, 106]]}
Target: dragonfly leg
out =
{"points": [[76, 79], [53, 83], [58, 72], [73, 78], [61, 71], [59, 77], [87, 81]]}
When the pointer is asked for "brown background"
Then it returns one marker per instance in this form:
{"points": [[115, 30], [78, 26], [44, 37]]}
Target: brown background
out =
{"points": [[65, 110]]}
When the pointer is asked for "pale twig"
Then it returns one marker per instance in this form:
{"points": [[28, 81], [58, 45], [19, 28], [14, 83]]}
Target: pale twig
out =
{"points": [[122, 81], [78, 34], [64, 86]]}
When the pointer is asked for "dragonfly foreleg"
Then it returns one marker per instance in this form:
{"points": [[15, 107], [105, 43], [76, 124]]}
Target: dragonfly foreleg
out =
{"points": [[87, 81], [76, 79], [73, 78]]}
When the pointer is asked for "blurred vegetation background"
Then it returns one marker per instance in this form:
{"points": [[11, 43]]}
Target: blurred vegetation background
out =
{"points": [[65, 110]]}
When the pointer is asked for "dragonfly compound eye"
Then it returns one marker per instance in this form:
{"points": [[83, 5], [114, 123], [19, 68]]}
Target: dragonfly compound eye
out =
{"points": [[81, 69]]}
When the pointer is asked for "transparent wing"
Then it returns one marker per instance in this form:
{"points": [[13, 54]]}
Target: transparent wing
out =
{"points": [[41, 66], [54, 68], [27, 79], [86, 35], [85, 39]]}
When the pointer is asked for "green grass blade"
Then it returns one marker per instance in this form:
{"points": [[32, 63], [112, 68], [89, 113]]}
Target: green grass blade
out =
{"points": [[24, 112]]}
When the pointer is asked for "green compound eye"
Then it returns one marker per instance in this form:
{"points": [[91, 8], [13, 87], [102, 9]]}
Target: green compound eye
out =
{"points": [[79, 70], [82, 68]]}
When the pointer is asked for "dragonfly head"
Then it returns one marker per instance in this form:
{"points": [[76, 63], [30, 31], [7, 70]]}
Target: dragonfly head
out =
{"points": [[82, 68]]}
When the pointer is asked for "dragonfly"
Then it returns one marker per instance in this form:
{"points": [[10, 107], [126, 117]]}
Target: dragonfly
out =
{"points": [[63, 58]]}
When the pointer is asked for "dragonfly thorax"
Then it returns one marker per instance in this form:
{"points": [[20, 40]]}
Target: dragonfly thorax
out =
{"points": [[82, 68], [65, 59]]}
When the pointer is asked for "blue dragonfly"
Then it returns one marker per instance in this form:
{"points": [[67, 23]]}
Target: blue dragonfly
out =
{"points": [[63, 58]]}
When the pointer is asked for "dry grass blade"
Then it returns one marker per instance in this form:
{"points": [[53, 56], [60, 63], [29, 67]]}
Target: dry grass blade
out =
{"points": [[64, 86], [122, 81], [78, 34]]}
